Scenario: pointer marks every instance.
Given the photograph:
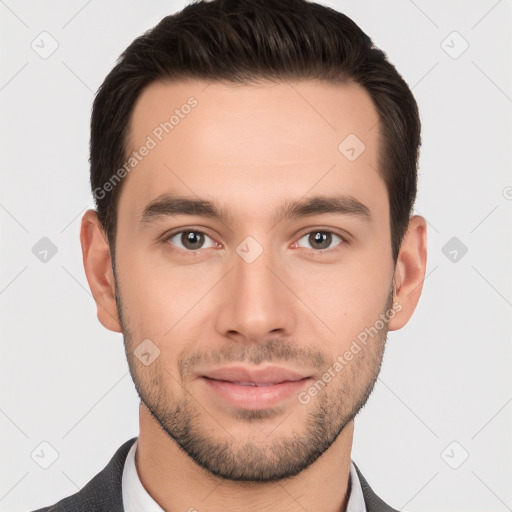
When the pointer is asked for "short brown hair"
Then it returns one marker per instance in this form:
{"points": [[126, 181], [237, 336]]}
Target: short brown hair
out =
{"points": [[243, 41]]}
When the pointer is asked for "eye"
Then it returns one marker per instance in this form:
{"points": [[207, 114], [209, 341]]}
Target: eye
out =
{"points": [[321, 239], [191, 240]]}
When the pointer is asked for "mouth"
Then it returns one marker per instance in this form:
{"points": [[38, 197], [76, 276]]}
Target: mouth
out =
{"points": [[259, 384], [249, 388]]}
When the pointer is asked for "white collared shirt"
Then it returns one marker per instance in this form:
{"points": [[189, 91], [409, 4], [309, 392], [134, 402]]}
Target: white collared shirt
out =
{"points": [[137, 499]]}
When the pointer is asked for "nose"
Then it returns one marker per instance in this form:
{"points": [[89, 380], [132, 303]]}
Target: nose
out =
{"points": [[257, 300]]}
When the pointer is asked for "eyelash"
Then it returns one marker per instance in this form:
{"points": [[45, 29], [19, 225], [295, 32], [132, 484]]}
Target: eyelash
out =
{"points": [[343, 239]]}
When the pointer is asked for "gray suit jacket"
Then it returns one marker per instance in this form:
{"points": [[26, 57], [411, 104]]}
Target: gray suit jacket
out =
{"points": [[104, 493]]}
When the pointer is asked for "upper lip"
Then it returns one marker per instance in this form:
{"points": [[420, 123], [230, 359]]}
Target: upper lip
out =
{"points": [[267, 375]]}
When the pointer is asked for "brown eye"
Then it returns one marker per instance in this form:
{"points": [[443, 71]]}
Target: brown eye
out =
{"points": [[321, 239], [190, 240]]}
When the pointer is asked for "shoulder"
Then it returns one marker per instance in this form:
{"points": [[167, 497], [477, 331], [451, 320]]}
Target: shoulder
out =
{"points": [[103, 492]]}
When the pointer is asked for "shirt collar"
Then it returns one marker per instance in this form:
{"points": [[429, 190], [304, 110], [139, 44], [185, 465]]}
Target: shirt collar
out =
{"points": [[135, 496]]}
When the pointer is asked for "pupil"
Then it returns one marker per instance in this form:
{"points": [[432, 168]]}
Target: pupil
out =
{"points": [[322, 238], [191, 238]]}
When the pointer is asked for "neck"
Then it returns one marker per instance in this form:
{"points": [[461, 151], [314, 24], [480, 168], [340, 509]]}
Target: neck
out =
{"points": [[176, 482]]}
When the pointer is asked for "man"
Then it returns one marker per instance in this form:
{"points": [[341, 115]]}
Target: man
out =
{"points": [[254, 166]]}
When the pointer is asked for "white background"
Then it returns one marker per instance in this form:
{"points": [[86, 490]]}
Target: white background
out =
{"points": [[446, 375]]}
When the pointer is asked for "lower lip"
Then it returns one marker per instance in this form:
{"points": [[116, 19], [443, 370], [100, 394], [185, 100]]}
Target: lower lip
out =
{"points": [[254, 397]]}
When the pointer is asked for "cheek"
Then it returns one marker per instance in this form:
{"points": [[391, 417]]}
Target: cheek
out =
{"points": [[348, 297], [155, 294]]}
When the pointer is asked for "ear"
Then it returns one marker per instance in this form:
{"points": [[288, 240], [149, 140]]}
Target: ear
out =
{"points": [[98, 269], [410, 271]]}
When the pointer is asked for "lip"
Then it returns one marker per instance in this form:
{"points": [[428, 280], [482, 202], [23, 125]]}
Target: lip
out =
{"points": [[254, 388], [259, 376]]}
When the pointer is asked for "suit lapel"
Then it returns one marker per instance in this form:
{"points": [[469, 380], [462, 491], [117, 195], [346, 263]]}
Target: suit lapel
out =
{"points": [[372, 501]]}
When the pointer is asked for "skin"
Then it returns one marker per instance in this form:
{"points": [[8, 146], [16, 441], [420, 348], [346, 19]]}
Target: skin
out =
{"points": [[250, 149]]}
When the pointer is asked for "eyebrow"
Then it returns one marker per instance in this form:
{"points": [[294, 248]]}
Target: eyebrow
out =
{"points": [[172, 205]]}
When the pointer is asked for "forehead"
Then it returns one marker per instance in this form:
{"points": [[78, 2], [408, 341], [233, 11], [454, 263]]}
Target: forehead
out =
{"points": [[252, 146]]}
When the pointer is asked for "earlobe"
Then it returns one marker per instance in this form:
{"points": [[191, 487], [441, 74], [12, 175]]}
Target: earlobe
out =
{"points": [[410, 271], [98, 269]]}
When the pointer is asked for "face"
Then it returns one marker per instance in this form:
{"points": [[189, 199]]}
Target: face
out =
{"points": [[254, 320]]}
